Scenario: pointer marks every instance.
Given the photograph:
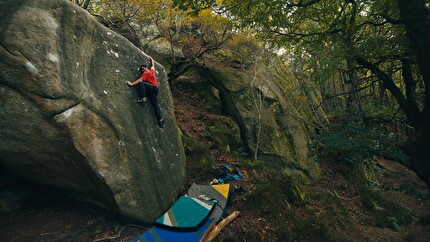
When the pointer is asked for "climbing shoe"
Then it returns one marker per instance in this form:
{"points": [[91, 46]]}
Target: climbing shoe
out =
{"points": [[161, 122]]}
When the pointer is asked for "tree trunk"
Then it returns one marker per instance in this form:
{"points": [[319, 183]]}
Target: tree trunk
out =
{"points": [[355, 102], [415, 17], [419, 149]]}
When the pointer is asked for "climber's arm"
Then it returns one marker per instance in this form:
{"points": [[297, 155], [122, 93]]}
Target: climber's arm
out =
{"points": [[152, 63], [134, 83]]}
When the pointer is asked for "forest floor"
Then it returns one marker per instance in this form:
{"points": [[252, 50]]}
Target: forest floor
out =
{"points": [[344, 219]]}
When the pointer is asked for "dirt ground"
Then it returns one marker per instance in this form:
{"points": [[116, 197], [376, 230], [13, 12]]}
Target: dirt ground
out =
{"points": [[57, 218]]}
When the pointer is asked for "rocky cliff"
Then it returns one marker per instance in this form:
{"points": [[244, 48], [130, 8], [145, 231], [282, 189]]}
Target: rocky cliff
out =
{"points": [[272, 112], [69, 120]]}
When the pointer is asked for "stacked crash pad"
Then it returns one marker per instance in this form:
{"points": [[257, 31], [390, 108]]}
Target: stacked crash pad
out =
{"points": [[186, 213], [191, 216], [217, 192]]}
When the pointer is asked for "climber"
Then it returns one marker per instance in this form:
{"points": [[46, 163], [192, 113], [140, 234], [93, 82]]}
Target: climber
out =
{"points": [[147, 86]]}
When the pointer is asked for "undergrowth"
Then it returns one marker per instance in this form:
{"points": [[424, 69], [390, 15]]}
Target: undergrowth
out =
{"points": [[353, 142], [383, 211], [356, 145], [283, 199]]}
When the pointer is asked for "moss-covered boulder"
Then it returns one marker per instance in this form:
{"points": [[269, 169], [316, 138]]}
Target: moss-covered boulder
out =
{"points": [[272, 123]]}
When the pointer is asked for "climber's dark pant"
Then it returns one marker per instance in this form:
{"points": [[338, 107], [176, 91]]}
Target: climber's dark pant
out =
{"points": [[149, 91]]}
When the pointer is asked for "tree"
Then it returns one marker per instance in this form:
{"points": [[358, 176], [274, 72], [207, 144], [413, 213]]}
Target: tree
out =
{"points": [[257, 97], [195, 36], [121, 10]]}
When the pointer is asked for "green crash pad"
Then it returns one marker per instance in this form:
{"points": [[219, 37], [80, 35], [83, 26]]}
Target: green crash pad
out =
{"points": [[186, 213]]}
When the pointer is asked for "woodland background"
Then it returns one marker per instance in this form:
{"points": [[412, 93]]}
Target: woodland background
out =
{"points": [[369, 65]]}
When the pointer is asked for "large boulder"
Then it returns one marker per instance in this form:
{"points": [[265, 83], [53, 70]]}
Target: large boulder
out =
{"points": [[69, 120], [272, 111]]}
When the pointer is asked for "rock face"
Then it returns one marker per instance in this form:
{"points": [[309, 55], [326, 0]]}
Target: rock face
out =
{"points": [[271, 121], [67, 118]]}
